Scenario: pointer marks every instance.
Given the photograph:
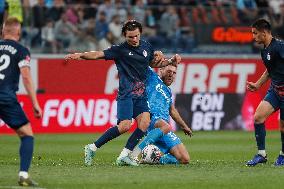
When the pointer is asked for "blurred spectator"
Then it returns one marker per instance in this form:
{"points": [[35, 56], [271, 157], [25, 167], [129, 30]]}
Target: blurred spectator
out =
{"points": [[169, 26], [49, 3], [115, 30], [150, 23], [275, 7], [65, 32], [49, 43], [138, 11], [56, 10], [278, 23], [91, 9], [108, 9], [15, 9], [3, 12], [262, 6], [120, 10], [72, 13], [247, 10], [102, 31]]}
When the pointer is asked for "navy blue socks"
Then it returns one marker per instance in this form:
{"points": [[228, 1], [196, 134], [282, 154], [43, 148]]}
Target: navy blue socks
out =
{"points": [[26, 152], [134, 139], [110, 134], [260, 134]]}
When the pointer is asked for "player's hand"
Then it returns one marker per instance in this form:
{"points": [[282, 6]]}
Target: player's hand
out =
{"points": [[187, 131], [176, 59], [158, 57], [252, 86], [75, 56], [37, 111]]}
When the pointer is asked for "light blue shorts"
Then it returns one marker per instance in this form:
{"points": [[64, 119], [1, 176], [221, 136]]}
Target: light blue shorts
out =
{"points": [[168, 141]]}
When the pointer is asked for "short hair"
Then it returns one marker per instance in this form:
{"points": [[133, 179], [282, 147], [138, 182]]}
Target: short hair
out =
{"points": [[262, 25], [12, 21], [131, 25]]}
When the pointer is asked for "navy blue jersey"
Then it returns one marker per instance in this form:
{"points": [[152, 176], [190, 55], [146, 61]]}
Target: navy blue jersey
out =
{"points": [[13, 56], [273, 58], [132, 65]]}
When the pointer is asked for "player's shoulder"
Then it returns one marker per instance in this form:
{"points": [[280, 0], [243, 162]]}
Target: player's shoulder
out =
{"points": [[278, 42], [145, 43]]}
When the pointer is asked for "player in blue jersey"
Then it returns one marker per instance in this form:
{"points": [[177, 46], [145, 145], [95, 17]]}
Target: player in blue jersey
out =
{"points": [[161, 108], [132, 59], [273, 58], [15, 61]]}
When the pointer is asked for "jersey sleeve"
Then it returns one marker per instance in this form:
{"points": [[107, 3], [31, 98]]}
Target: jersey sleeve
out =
{"points": [[281, 49], [151, 55], [112, 52], [24, 58]]}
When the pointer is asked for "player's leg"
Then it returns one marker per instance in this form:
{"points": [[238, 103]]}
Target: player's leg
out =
{"points": [[280, 160], [160, 128], [167, 144], [124, 115], [181, 154], [264, 109], [142, 116], [14, 116]]}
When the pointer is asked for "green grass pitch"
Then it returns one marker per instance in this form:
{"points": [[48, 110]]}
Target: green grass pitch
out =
{"points": [[217, 161]]}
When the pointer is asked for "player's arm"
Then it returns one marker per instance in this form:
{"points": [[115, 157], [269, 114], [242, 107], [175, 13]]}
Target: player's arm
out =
{"points": [[159, 60], [29, 86], [251, 86], [91, 55], [178, 119]]}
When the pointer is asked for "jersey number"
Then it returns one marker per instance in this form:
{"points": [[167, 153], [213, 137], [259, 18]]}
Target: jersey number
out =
{"points": [[4, 63]]}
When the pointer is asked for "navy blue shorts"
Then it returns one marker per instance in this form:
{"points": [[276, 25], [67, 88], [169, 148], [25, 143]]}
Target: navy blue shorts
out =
{"points": [[13, 115], [129, 108], [275, 100]]}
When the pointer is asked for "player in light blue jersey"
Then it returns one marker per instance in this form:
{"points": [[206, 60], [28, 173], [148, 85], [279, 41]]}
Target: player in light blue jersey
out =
{"points": [[161, 108]]}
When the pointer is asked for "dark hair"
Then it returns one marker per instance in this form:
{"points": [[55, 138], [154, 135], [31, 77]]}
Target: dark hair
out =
{"points": [[261, 25], [131, 25]]}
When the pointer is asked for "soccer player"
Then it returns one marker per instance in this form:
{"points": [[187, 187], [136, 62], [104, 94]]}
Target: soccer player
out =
{"points": [[273, 58], [15, 60], [161, 108], [132, 59]]}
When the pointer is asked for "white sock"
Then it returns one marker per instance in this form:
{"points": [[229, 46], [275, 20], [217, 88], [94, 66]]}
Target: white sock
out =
{"points": [[24, 174], [136, 152], [93, 147], [262, 152], [281, 153], [124, 153]]}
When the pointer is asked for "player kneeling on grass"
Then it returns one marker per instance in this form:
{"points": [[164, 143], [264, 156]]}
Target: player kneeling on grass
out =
{"points": [[161, 108]]}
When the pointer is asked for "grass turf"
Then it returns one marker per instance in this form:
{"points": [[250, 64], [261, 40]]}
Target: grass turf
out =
{"points": [[217, 161]]}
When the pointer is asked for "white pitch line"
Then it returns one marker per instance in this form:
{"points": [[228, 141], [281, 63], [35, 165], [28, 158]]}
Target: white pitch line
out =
{"points": [[18, 187]]}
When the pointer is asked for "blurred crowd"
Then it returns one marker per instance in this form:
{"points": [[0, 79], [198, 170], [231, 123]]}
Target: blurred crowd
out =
{"points": [[57, 26]]}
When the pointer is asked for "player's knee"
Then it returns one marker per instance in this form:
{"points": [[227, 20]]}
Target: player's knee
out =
{"points": [[184, 159], [123, 127], [281, 126], [166, 129], [144, 125], [258, 118]]}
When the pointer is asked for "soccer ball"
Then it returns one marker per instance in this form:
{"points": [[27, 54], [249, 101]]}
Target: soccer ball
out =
{"points": [[151, 154]]}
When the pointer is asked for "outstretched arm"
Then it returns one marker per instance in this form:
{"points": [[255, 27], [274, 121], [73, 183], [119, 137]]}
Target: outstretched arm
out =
{"points": [[178, 119], [255, 86], [91, 55], [159, 60]]}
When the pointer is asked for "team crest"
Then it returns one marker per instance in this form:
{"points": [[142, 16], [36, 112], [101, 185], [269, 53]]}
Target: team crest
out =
{"points": [[145, 53], [268, 56]]}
